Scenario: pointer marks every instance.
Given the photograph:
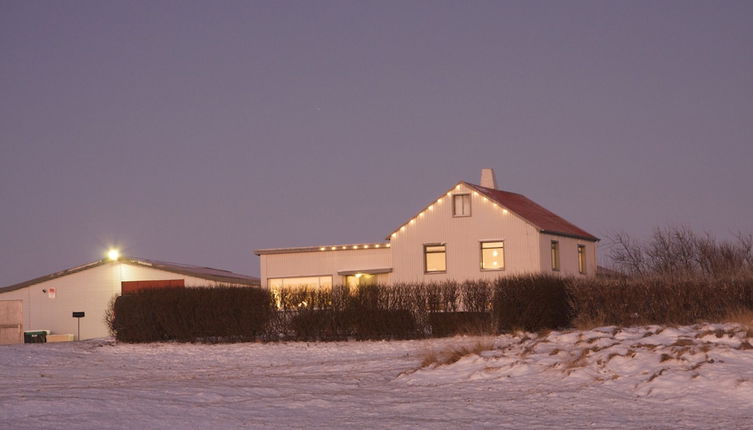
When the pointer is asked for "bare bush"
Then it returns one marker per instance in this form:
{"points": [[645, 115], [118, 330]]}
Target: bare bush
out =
{"points": [[454, 353], [679, 252], [656, 300]]}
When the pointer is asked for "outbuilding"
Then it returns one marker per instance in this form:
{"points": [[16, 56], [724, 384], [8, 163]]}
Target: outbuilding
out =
{"points": [[49, 302]]}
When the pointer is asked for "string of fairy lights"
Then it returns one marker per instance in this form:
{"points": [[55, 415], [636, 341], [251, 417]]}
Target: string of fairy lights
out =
{"points": [[435, 204]]}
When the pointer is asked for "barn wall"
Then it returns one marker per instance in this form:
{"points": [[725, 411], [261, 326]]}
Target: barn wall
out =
{"points": [[130, 272], [90, 291]]}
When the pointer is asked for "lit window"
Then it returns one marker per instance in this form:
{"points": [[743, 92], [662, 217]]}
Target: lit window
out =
{"points": [[279, 286], [492, 255], [359, 280], [555, 255], [461, 205], [582, 259], [303, 282], [435, 258]]}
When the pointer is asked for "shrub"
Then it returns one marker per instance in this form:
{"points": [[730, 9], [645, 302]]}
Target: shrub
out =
{"points": [[444, 324], [680, 252], [657, 300], [453, 353], [531, 303], [225, 314]]}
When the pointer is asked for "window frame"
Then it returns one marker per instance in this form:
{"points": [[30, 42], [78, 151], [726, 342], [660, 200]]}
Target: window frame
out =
{"points": [[426, 247], [454, 205], [582, 259], [283, 278], [481, 255], [554, 255]]}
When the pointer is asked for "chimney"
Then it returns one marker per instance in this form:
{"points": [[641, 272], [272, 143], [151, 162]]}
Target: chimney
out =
{"points": [[487, 179]]}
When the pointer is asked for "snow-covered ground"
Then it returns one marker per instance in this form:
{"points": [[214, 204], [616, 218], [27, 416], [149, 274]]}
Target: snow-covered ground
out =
{"points": [[647, 377]]}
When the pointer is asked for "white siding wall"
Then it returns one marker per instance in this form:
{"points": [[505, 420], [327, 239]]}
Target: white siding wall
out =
{"points": [[89, 291], [462, 236], [322, 263], [141, 273], [568, 255]]}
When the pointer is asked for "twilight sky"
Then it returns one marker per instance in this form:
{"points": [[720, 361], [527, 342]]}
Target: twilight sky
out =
{"points": [[196, 132]]}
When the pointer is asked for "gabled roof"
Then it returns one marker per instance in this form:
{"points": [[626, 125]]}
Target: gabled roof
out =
{"points": [[208, 273], [545, 220], [541, 218]]}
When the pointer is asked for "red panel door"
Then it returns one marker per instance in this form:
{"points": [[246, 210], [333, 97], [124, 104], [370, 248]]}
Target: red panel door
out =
{"points": [[127, 287]]}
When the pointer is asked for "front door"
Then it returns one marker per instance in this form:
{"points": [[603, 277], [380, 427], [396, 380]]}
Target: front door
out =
{"points": [[353, 282]]}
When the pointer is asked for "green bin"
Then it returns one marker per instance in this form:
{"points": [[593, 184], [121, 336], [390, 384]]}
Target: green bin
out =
{"points": [[39, 336]]}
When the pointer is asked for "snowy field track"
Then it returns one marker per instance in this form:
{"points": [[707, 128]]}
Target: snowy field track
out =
{"points": [[648, 378]]}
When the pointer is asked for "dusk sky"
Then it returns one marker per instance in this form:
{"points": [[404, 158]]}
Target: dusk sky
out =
{"points": [[196, 132]]}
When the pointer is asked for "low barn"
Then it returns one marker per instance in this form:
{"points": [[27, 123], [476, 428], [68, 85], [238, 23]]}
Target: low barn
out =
{"points": [[48, 302]]}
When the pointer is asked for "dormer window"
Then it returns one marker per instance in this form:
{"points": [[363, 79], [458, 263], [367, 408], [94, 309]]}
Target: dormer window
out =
{"points": [[461, 205]]}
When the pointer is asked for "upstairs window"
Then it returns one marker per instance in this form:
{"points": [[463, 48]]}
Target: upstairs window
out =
{"points": [[461, 205], [492, 255], [435, 258], [581, 259], [555, 255]]}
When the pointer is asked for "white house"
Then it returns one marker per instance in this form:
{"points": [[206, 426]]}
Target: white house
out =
{"points": [[48, 302], [468, 232]]}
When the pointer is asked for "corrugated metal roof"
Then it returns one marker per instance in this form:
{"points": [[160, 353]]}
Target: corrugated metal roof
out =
{"points": [[544, 219], [219, 275], [208, 273]]}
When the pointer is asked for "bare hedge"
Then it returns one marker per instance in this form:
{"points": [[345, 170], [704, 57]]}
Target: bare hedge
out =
{"points": [[221, 314], [410, 311], [657, 300]]}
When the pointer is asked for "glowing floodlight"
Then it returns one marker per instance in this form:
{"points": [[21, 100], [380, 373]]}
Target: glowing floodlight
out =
{"points": [[113, 254]]}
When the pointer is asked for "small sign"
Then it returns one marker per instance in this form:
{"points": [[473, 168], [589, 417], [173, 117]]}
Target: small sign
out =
{"points": [[79, 314], [51, 292]]}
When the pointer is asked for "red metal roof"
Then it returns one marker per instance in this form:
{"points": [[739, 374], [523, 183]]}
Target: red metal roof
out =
{"points": [[542, 218]]}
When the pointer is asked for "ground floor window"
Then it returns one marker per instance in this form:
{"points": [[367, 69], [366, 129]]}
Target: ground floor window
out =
{"points": [[582, 259], [493, 255], [300, 282], [283, 289], [555, 255], [435, 258]]}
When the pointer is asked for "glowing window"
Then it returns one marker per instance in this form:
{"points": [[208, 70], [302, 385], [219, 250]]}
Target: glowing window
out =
{"points": [[435, 258], [302, 282], [555, 255], [493, 255], [581, 259]]}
